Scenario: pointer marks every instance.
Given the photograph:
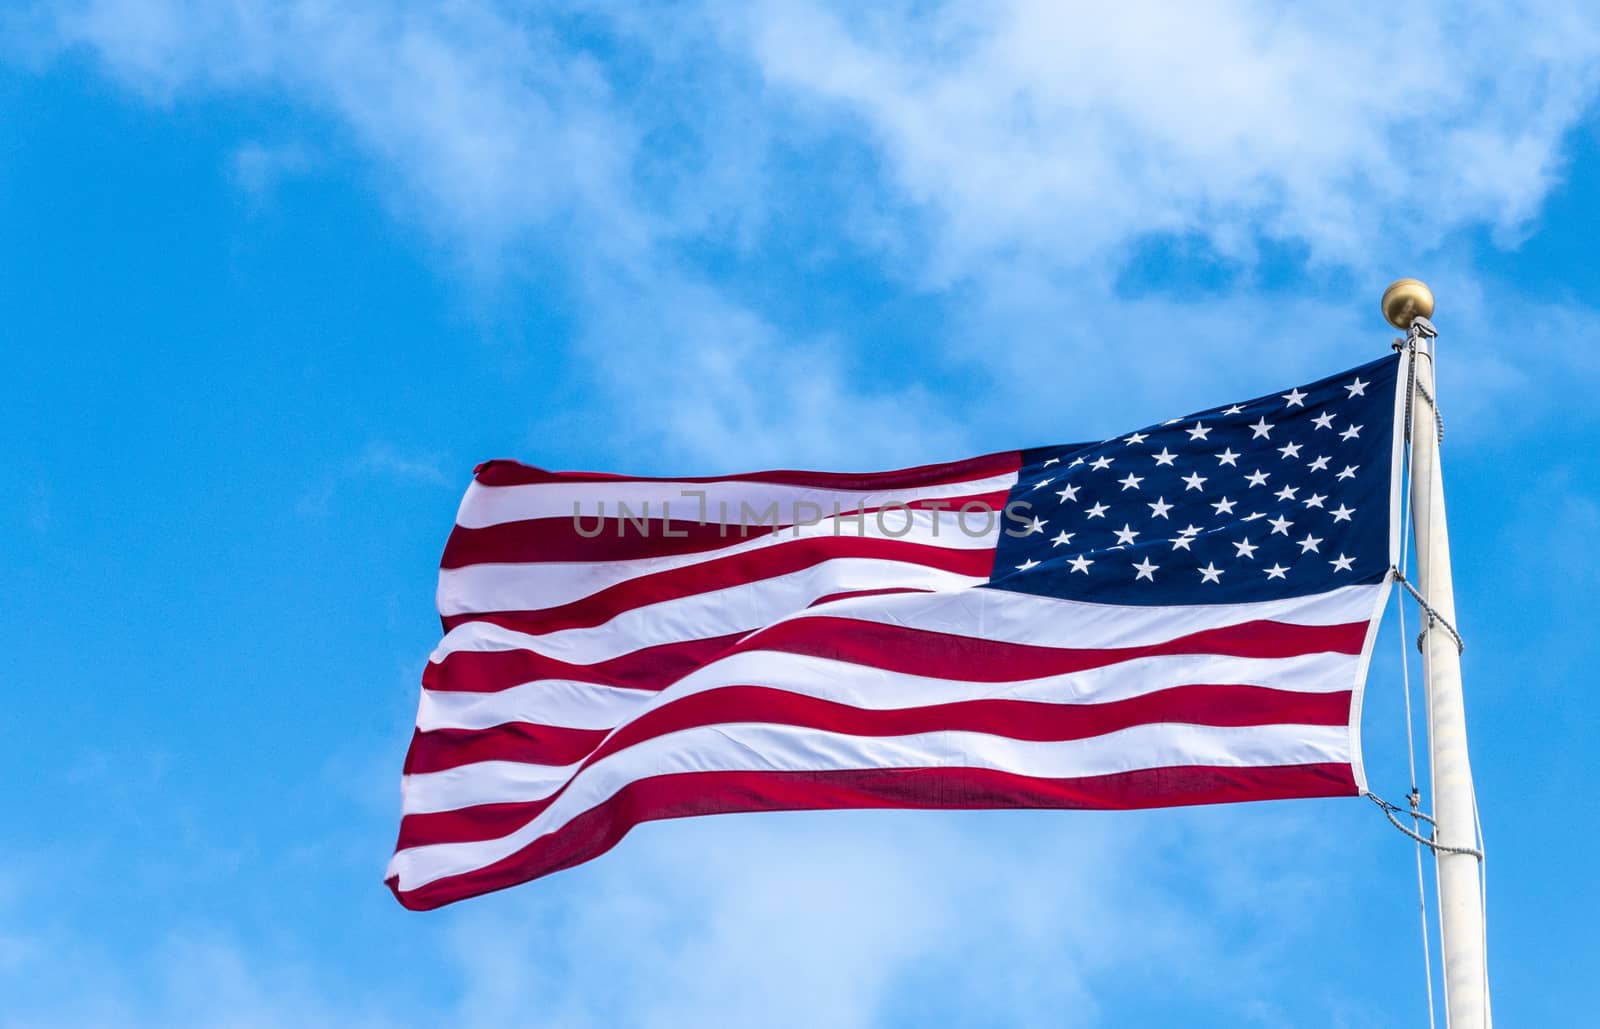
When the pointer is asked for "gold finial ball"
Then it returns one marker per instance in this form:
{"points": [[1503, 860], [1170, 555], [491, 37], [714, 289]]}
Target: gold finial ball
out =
{"points": [[1405, 300]]}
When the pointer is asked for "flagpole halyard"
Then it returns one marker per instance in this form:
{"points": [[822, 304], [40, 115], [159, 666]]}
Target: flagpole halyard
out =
{"points": [[1408, 305]]}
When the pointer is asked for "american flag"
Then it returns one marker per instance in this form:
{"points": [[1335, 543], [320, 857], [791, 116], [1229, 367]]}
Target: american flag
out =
{"points": [[1178, 615]]}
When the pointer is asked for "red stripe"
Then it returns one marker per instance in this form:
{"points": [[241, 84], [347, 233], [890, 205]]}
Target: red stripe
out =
{"points": [[705, 793], [485, 671], [515, 741], [852, 594], [900, 648], [627, 539], [514, 473], [895, 648], [724, 573], [1200, 704], [600, 539]]}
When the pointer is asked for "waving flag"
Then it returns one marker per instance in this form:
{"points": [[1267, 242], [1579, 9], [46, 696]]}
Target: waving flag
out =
{"points": [[1179, 615]]}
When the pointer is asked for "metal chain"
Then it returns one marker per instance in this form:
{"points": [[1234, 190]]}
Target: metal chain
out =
{"points": [[1434, 617], [1429, 841], [1420, 328], [1438, 419]]}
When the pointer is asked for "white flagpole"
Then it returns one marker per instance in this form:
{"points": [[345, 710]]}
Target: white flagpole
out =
{"points": [[1408, 304]]}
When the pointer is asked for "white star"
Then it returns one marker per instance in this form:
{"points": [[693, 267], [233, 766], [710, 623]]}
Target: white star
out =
{"points": [[1246, 549], [1160, 508], [1358, 388], [1053, 460], [1253, 515], [1146, 570], [1342, 513], [1280, 524], [1309, 543], [1288, 492], [1081, 564], [1257, 477], [1043, 482], [1190, 530], [1319, 465], [1165, 457], [1068, 492], [1195, 481], [1314, 500], [1101, 463], [1349, 471], [1351, 433], [1198, 432], [1098, 510], [1262, 430], [1211, 573], [1295, 398], [1131, 482], [1289, 450], [1235, 409], [1062, 537], [1224, 506], [1024, 566], [1126, 534], [1228, 457], [1075, 462], [1323, 421], [1037, 525], [1276, 572], [1137, 437], [1342, 563], [1181, 543]]}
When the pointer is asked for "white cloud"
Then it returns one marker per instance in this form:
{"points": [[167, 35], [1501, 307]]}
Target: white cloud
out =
{"points": [[843, 920], [258, 168], [487, 129], [1030, 149], [380, 460], [492, 133], [707, 380], [1007, 158], [181, 979], [852, 920], [1065, 132], [386, 460]]}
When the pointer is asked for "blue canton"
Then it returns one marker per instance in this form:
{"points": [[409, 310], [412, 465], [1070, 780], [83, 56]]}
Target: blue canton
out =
{"points": [[1280, 496]]}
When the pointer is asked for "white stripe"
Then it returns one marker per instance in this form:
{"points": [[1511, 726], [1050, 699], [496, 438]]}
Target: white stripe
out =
{"points": [[482, 782], [706, 615], [492, 505], [534, 586], [989, 614], [1011, 617], [561, 703], [757, 747], [579, 705]]}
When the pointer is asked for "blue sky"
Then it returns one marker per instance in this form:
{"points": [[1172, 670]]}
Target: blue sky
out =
{"points": [[276, 276]]}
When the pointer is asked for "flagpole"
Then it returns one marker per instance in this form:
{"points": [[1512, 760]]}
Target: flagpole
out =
{"points": [[1408, 304]]}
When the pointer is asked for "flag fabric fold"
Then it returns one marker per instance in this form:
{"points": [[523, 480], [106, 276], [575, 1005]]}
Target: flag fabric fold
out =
{"points": [[1178, 615]]}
